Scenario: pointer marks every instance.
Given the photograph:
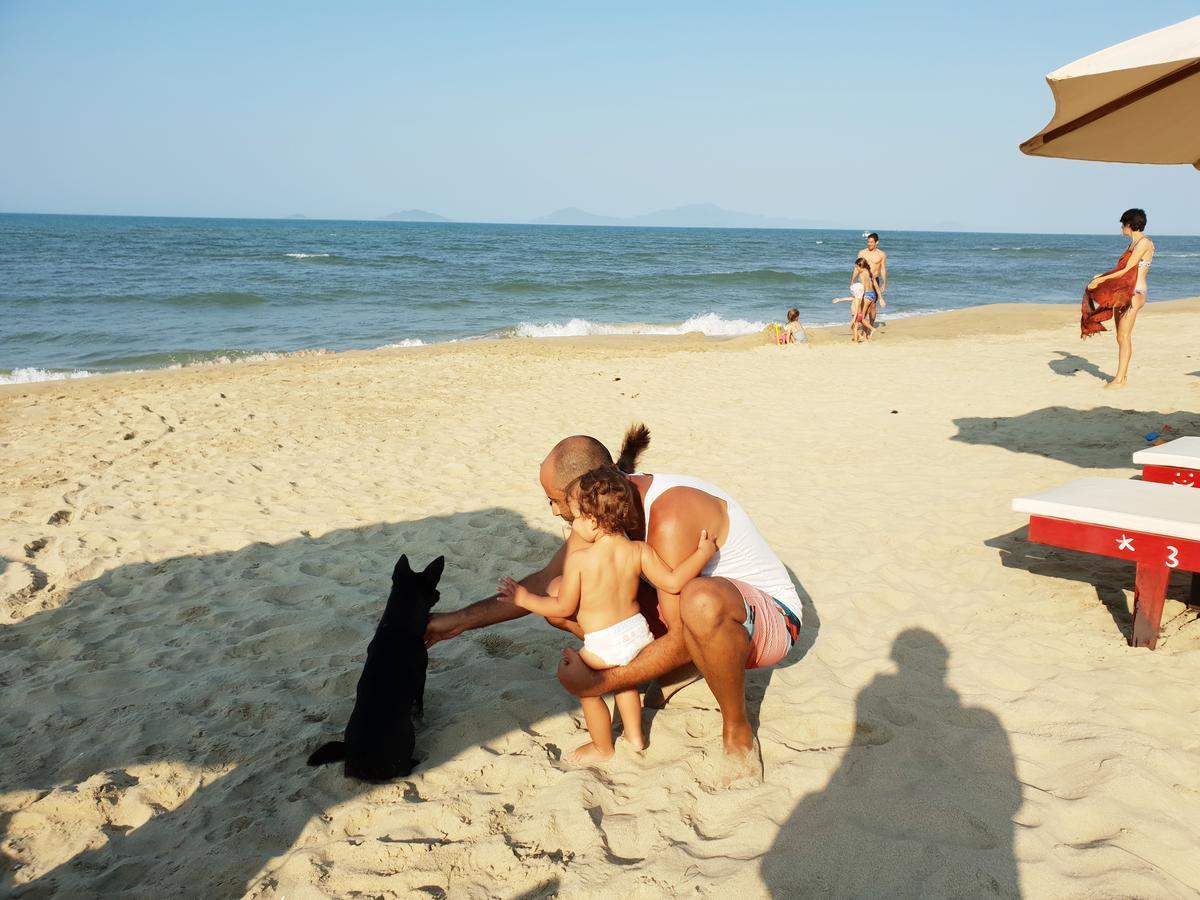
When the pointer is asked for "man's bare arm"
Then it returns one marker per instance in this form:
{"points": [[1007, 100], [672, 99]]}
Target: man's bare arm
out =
{"points": [[492, 610], [656, 659]]}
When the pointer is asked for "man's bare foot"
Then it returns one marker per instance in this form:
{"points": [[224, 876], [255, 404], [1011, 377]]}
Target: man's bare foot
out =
{"points": [[586, 754], [740, 766], [1115, 384], [660, 691]]}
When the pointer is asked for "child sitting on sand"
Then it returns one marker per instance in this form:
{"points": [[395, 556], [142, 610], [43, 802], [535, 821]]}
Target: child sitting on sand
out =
{"points": [[599, 587], [793, 332], [861, 283]]}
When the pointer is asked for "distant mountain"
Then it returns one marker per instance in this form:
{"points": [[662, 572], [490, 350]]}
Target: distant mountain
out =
{"points": [[296, 216], [415, 215], [694, 215], [573, 215]]}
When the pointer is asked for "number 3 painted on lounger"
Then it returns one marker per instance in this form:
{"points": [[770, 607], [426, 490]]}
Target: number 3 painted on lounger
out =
{"points": [[1173, 558]]}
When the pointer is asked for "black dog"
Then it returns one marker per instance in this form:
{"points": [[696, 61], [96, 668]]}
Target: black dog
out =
{"points": [[379, 738]]}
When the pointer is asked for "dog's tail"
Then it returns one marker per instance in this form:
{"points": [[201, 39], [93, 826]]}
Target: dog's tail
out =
{"points": [[637, 439], [334, 751]]}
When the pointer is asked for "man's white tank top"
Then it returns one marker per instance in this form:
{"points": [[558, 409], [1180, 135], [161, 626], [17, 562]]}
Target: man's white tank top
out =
{"points": [[745, 556]]}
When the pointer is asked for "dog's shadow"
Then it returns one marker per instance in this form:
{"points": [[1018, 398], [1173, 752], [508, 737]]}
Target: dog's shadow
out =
{"points": [[231, 667]]}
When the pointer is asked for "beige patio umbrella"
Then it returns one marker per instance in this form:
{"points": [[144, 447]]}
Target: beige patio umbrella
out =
{"points": [[1136, 102]]}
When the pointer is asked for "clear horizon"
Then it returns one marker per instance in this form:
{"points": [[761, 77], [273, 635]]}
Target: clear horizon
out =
{"points": [[489, 116], [385, 219]]}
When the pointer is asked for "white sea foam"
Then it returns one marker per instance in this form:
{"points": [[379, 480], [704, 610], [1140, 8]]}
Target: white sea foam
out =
{"points": [[310, 255], [407, 342], [709, 323], [31, 375]]}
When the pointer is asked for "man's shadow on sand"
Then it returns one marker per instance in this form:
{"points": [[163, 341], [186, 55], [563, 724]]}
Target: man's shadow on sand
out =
{"points": [[1100, 438], [1069, 364], [235, 665], [922, 803]]}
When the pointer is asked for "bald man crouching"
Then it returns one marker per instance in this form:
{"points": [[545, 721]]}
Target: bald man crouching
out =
{"points": [[743, 611]]}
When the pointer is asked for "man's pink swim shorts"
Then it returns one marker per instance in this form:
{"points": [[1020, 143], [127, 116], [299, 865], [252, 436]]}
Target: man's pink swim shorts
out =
{"points": [[773, 628]]}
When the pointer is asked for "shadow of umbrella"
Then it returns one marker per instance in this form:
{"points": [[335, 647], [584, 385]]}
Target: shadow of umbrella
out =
{"points": [[922, 803], [1100, 438]]}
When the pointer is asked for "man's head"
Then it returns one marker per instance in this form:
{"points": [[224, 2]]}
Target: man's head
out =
{"points": [[570, 458], [872, 241]]}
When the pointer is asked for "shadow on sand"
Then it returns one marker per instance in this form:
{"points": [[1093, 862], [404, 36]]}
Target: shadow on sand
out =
{"points": [[1070, 363], [1109, 577], [1100, 438], [922, 803], [234, 666]]}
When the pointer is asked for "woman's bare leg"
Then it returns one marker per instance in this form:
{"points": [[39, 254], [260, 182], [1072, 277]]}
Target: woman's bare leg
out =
{"points": [[1125, 343]]}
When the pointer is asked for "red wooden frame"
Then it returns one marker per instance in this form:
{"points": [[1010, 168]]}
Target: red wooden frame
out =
{"points": [[1172, 475], [1155, 555]]}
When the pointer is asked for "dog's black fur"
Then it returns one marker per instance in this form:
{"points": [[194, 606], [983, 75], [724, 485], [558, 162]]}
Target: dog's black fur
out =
{"points": [[379, 738]]}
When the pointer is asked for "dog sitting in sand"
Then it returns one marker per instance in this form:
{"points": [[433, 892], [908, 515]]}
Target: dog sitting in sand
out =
{"points": [[379, 738]]}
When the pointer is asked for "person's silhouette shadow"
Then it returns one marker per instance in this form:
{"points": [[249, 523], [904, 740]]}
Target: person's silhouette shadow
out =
{"points": [[922, 803]]}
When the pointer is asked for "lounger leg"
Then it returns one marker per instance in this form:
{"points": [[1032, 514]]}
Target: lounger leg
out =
{"points": [[1150, 590], [1194, 597]]}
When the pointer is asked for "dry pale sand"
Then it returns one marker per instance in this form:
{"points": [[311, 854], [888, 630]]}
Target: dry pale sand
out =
{"points": [[193, 562]]}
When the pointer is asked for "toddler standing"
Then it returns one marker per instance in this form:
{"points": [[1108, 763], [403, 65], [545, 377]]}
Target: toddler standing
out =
{"points": [[599, 587]]}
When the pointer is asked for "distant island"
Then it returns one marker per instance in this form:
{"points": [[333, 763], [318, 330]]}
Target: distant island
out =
{"points": [[694, 215], [415, 215], [296, 216]]}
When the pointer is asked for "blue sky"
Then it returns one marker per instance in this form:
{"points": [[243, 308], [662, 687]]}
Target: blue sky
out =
{"points": [[880, 115]]}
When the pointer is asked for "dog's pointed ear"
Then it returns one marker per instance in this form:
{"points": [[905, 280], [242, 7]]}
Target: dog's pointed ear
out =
{"points": [[401, 567], [433, 571]]}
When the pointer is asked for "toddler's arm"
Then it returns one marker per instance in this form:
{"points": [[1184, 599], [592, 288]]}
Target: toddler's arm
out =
{"points": [[565, 604], [671, 580], [842, 299]]}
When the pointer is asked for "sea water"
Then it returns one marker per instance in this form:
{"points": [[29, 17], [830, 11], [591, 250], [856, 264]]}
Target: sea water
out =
{"points": [[87, 294]]}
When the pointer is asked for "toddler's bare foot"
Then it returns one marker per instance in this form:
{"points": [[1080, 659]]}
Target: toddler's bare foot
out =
{"points": [[589, 753], [637, 744], [1115, 384]]}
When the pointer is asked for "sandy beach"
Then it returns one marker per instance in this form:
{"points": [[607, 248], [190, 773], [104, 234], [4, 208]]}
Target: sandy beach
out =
{"points": [[194, 560]]}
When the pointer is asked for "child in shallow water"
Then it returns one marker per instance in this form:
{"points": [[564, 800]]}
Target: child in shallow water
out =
{"points": [[599, 588]]}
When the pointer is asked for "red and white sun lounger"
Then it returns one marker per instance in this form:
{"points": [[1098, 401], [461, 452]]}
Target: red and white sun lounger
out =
{"points": [[1155, 526], [1175, 462]]}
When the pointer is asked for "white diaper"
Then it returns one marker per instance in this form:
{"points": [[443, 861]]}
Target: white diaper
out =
{"points": [[617, 644], [857, 290]]}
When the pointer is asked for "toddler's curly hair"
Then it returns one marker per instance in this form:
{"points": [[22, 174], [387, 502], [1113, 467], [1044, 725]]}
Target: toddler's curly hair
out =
{"points": [[606, 495]]}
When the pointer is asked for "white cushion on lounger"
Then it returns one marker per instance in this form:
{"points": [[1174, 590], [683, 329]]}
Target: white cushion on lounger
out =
{"points": [[1136, 505], [1181, 453]]}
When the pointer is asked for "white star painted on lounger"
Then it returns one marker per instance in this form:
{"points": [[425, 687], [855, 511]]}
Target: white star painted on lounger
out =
{"points": [[1125, 543]]}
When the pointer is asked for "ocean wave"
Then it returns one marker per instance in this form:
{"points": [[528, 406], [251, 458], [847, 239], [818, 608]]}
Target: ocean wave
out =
{"points": [[408, 258], [407, 342], [148, 361], [641, 282], [30, 375], [710, 324], [327, 258], [230, 298]]}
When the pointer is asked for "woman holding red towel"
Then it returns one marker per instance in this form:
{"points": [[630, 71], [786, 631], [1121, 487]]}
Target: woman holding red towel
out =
{"points": [[1120, 292]]}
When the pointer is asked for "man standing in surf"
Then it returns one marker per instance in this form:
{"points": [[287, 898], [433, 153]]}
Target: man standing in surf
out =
{"points": [[743, 612], [877, 260]]}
